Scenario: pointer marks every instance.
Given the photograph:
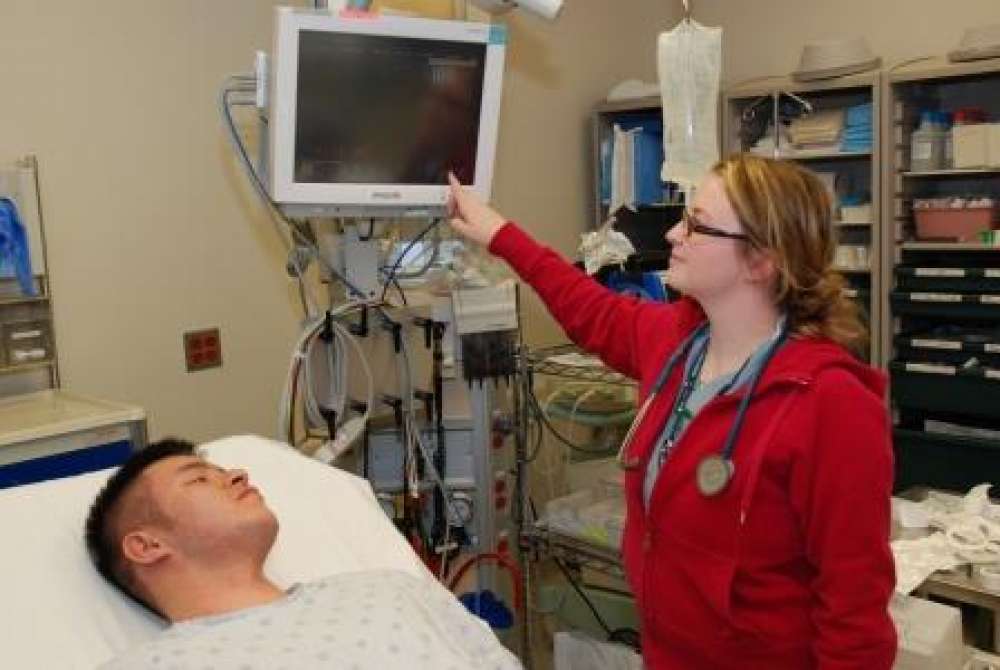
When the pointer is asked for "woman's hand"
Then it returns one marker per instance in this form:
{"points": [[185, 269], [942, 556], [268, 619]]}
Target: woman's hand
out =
{"points": [[471, 217]]}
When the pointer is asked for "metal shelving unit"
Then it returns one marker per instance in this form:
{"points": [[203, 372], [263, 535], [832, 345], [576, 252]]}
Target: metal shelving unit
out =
{"points": [[861, 168], [576, 551], [541, 363], [941, 342], [605, 115]]}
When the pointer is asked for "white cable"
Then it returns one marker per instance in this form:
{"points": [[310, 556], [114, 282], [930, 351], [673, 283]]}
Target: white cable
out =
{"points": [[285, 418], [300, 359], [336, 374], [365, 367], [428, 460]]}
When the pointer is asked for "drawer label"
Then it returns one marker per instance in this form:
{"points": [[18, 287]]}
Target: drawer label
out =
{"points": [[991, 348], [939, 272], [991, 273], [990, 299], [935, 297], [990, 373], [936, 344], [930, 368]]}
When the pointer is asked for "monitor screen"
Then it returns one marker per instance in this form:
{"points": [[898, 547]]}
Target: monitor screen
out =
{"points": [[368, 114], [375, 109]]}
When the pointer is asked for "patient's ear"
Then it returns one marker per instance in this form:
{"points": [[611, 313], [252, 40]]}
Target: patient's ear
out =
{"points": [[144, 548]]}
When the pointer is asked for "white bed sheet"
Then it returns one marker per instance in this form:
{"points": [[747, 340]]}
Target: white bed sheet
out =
{"points": [[58, 612]]}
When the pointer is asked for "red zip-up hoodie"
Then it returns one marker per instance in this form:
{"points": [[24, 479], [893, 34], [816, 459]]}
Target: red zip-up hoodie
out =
{"points": [[789, 568]]}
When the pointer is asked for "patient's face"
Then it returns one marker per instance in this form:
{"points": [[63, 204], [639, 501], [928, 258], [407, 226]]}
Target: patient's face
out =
{"points": [[208, 511]]}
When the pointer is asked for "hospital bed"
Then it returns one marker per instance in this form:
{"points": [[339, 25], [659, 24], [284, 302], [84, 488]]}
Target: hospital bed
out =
{"points": [[58, 612]]}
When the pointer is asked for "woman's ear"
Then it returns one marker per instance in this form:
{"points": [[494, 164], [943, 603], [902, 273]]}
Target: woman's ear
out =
{"points": [[144, 547], [761, 267]]}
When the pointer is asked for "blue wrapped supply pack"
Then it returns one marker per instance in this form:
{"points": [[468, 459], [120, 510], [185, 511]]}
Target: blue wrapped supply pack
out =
{"points": [[15, 258]]}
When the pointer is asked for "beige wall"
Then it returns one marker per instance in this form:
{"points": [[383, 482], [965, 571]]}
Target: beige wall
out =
{"points": [[765, 37], [153, 231], [556, 73]]}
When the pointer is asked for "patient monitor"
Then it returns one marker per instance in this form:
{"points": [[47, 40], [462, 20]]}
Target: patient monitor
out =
{"points": [[369, 113]]}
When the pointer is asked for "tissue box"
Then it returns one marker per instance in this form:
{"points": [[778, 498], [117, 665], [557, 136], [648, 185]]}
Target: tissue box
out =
{"points": [[970, 145], [993, 133]]}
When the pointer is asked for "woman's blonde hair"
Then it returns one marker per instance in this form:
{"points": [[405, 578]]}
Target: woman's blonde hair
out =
{"points": [[786, 212]]}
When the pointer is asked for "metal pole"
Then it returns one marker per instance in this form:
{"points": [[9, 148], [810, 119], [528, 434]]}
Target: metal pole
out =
{"points": [[521, 507]]}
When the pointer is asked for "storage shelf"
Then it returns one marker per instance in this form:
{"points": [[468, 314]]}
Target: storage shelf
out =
{"points": [[25, 367], [629, 104], [956, 172], [942, 334], [576, 551], [19, 181], [947, 246], [861, 169], [23, 300], [822, 156]]}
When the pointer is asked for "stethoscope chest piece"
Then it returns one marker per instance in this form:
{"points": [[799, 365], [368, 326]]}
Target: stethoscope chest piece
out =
{"points": [[714, 474]]}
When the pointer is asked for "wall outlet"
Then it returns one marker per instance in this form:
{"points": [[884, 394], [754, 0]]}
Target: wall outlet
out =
{"points": [[202, 349]]}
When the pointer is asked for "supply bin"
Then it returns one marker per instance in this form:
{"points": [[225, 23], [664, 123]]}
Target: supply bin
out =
{"points": [[53, 434], [954, 219]]}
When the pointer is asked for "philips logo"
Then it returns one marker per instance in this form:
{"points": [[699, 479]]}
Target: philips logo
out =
{"points": [[386, 195]]}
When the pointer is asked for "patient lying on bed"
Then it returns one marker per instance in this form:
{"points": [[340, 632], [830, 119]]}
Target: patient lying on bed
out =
{"points": [[188, 540]]}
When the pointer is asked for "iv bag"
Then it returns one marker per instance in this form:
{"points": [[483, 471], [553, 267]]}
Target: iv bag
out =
{"points": [[689, 63]]}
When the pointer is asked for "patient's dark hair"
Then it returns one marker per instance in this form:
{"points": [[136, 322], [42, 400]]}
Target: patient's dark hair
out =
{"points": [[103, 540]]}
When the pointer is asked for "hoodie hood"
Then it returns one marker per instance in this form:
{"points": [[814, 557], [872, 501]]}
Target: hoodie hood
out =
{"points": [[802, 359]]}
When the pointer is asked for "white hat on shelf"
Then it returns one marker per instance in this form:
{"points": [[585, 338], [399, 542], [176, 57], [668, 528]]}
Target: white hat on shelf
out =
{"points": [[835, 58], [977, 43]]}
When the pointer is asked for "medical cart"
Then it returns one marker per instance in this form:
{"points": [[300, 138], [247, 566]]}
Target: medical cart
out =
{"points": [[52, 434]]}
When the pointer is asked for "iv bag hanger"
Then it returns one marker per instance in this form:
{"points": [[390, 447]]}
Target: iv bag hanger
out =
{"points": [[687, 9]]}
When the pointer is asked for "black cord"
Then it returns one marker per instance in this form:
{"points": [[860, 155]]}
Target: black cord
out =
{"points": [[627, 636], [395, 266], [586, 600], [537, 446]]}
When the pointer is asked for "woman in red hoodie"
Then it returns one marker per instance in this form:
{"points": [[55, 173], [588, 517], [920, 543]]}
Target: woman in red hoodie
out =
{"points": [[757, 532]]}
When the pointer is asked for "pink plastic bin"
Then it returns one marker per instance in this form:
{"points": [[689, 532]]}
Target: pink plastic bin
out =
{"points": [[962, 225]]}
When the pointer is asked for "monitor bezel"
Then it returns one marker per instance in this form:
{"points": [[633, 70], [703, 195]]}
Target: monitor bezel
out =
{"points": [[304, 198]]}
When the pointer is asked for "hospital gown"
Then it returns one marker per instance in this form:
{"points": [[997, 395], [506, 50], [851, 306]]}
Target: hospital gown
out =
{"points": [[353, 621]]}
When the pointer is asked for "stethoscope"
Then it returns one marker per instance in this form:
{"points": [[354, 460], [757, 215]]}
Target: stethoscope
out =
{"points": [[715, 471]]}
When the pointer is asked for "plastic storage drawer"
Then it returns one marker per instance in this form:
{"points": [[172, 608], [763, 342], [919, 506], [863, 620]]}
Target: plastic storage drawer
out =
{"points": [[948, 279], [938, 387], [943, 461], [27, 341]]}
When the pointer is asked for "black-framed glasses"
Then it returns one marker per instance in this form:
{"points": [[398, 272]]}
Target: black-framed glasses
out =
{"points": [[693, 225]]}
